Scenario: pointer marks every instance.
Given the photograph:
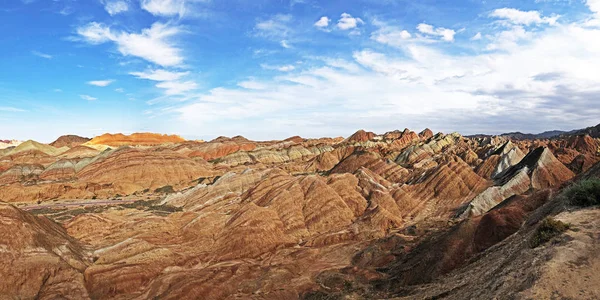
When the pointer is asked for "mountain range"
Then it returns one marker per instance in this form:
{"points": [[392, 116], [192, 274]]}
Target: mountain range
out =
{"points": [[397, 215]]}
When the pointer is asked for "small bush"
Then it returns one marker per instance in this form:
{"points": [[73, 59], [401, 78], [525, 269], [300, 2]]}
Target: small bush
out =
{"points": [[584, 193], [548, 229]]}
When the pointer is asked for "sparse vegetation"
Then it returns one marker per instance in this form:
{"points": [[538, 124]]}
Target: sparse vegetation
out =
{"points": [[167, 189], [584, 193], [547, 230], [319, 295]]}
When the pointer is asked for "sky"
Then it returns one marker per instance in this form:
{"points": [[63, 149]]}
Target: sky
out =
{"points": [[270, 69]]}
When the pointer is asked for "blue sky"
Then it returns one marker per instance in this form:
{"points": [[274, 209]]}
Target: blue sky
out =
{"points": [[271, 69]]}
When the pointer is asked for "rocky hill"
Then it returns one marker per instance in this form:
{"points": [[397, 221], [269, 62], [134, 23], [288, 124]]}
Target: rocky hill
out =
{"points": [[69, 141]]}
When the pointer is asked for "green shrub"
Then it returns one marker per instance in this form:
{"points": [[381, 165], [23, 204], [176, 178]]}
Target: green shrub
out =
{"points": [[584, 193], [548, 229]]}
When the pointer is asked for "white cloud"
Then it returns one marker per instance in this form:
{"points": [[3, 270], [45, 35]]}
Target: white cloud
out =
{"points": [[593, 5], [116, 7], [285, 44], [152, 44], [477, 37], [101, 83], [274, 27], [323, 22], [391, 36], [346, 22], [67, 10], [509, 39], [284, 68], [488, 92], [159, 75], [176, 87], [119, 90], [96, 33], [252, 85], [88, 97], [42, 55], [444, 33], [518, 17], [168, 8], [168, 81]]}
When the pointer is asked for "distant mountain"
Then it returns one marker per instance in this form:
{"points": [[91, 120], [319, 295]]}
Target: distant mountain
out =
{"points": [[9, 143], [592, 131], [525, 136]]}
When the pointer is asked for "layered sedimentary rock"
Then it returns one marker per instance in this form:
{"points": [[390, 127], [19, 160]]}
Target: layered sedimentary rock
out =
{"points": [[79, 152], [538, 170], [233, 218], [35, 146], [221, 147], [136, 139], [503, 158], [38, 260], [360, 136], [140, 169], [69, 141], [435, 145]]}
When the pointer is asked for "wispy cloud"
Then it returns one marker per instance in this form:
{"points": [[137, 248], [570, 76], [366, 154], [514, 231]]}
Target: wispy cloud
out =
{"points": [[284, 68], [169, 8], [113, 7], [11, 109], [285, 44], [488, 90], [41, 54], [101, 83], [445, 33], [176, 87], [88, 97], [274, 27], [159, 75], [153, 44], [518, 17], [169, 81]]}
